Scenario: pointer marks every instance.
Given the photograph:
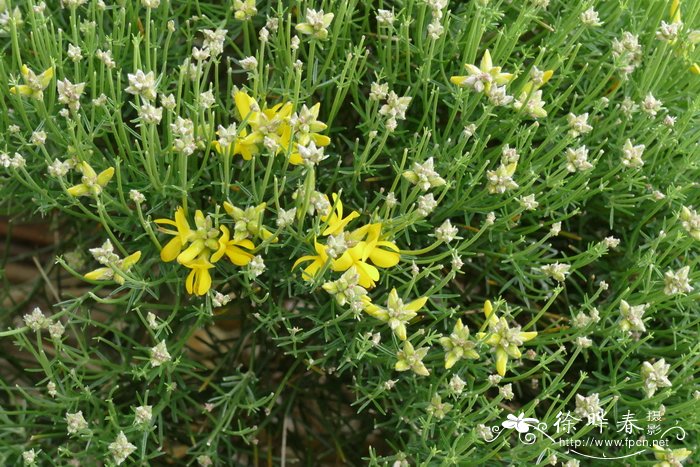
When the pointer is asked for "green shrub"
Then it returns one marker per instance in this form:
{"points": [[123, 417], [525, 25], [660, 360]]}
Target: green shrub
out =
{"points": [[351, 232]]}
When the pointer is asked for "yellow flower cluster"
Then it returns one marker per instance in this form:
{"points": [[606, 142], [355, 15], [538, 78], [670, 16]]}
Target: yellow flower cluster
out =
{"points": [[34, 84], [504, 339], [364, 248], [199, 248], [278, 128]]}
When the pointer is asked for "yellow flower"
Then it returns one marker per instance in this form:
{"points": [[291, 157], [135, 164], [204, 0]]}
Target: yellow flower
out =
{"points": [[458, 345], [412, 359], [504, 339], [382, 253], [481, 78], [335, 221], [396, 314], [368, 247], [108, 273], [233, 249], [92, 183], [674, 11], [34, 85], [247, 151], [317, 262], [199, 248], [198, 280], [203, 237], [263, 123], [670, 457], [365, 246], [357, 257]]}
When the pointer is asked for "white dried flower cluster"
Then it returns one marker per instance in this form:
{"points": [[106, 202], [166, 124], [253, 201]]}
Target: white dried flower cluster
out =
{"points": [[577, 159], [72, 3], [484, 432], [581, 320], [311, 154], [249, 64], [142, 84], [557, 271], [690, 220], [143, 415], [200, 55], [214, 41], [529, 203], [446, 233], [651, 105], [15, 162], [36, 320], [378, 91], [426, 205], [628, 107], [29, 457], [589, 408], [677, 282], [207, 99], [227, 135], [457, 385], [256, 266], [183, 134], [218, 299], [632, 155], [394, 109], [469, 130], [509, 155], [338, 244], [105, 254], [655, 376], [159, 354], [121, 448], [75, 422], [668, 32], [578, 124], [632, 317], [435, 28], [347, 291], [69, 93], [74, 53], [286, 218], [627, 53], [611, 242], [38, 138], [318, 203], [583, 342], [590, 17], [501, 180], [151, 4], [385, 17], [56, 330], [136, 196], [506, 392], [150, 114], [424, 175], [105, 56]]}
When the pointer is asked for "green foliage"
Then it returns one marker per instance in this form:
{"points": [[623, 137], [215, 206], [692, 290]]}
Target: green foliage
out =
{"points": [[268, 366]]}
